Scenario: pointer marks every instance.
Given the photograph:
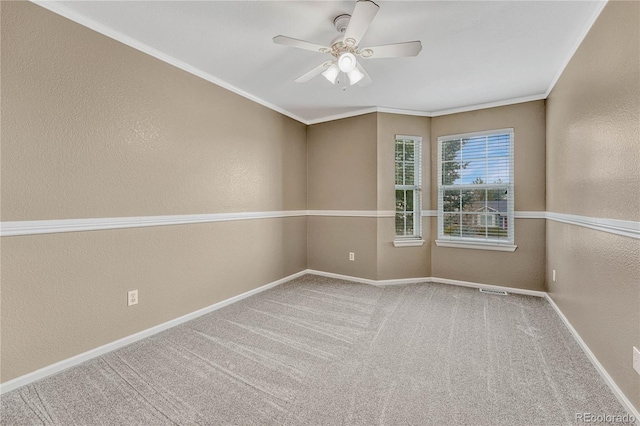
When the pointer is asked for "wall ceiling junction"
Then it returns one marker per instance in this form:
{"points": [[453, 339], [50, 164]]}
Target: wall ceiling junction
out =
{"points": [[475, 54]]}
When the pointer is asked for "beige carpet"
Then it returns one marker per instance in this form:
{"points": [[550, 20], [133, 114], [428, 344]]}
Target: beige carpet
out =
{"points": [[319, 351]]}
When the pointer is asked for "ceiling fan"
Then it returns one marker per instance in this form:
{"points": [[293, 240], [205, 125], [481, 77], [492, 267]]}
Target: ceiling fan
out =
{"points": [[345, 48]]}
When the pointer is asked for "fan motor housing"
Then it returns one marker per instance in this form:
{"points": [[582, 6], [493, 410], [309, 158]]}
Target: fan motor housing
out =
{"points": [[341, 22]]}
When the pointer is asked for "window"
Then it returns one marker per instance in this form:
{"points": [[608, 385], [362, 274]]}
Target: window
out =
{"points": [[475, 190], [408, 178]]}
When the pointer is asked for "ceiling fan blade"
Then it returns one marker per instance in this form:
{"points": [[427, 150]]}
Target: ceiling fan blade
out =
{"points": [[317, 70], [300, 44], [397, 50], [366, 80], [361, 18]]}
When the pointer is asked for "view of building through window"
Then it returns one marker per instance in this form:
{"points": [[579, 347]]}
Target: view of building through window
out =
{"points": [[475, 186]]}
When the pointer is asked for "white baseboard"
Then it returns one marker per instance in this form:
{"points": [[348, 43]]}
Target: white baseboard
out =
{"points": [[101, 350], [367, 280], [402, 281], [490, 287], [603, 373], [341, 277]]}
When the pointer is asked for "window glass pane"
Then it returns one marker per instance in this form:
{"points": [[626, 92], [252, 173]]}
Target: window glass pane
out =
{"points": [[473, 148], [409, 173], [497, 198], [399, 163], [400, 223], [498, 230], [399, 154], [409, 197], [472, 200], [451, 200], [451, 150], [451, 224], [451, 172], [483, 164], [498, 145], [451, 163], [498, 170], [472, 226], [405, 200], [409, 224], [409, 151], [404, 224], [399, 174], [400, 201], [474, 171]]}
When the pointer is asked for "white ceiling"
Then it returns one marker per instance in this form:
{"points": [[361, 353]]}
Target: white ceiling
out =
{"points": [[475, 54]]}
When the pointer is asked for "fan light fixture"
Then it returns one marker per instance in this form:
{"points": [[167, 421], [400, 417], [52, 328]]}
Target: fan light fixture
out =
{"points": [[331, 73], [347, 62], [355, 76], [345, 48]]}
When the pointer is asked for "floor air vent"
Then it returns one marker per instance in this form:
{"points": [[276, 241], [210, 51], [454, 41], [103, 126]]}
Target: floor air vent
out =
{"points": [[500, 292]]}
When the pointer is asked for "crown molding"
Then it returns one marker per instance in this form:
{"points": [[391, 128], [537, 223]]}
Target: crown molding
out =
{"points": [[487, 105], [386, 110], [349, 114], [59, 9], [105, 30], [404, 112], [576, 45]]}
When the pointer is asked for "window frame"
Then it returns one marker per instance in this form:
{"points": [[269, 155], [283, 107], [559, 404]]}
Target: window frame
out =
{"points": [[485, 243], [416, 238]]}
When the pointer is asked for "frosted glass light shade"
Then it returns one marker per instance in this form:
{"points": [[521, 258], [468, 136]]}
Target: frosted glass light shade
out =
{"points": [[355, 76], [347, 62], [331, 73]]}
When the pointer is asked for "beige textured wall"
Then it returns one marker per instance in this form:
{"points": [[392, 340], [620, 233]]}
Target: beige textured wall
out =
{"points": [[525, 267], [593, 144], [109, 131], [330, 239], [593, 169], [351, 167], [92, 128], [342, 164], [64, 294], [342, 170], [401, 262]]}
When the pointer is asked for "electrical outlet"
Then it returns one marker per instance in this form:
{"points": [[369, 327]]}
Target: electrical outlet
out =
{"points": [[636, 359], [352, 256], [132, 297], [554, 275]]}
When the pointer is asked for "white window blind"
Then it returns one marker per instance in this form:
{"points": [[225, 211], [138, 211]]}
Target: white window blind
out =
{"points": [[408, 178], [475, 187]]}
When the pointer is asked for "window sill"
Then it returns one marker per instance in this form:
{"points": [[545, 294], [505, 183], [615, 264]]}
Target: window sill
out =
{"points": [[476, 245], [408, 243]]}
